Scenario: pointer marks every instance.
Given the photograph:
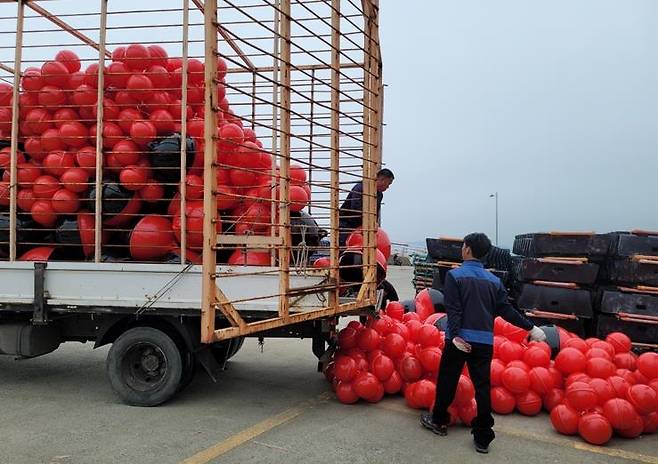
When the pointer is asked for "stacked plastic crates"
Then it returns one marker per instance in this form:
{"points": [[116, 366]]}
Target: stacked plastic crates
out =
{"points": [[556, 277], [629, 298]]}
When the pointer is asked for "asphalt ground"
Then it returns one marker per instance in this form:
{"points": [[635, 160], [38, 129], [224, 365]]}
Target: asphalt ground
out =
{"points": [[269, 407]]}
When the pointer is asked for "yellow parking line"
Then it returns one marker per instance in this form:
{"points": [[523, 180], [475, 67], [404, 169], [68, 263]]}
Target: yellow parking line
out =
{"points": [[252, 432], [552, 440]]}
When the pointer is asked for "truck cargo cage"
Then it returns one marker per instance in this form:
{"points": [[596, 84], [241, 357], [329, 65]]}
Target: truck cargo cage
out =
{"points": [[302, 81]]}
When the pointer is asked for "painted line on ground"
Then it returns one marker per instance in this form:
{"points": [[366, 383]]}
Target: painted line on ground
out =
{"points": [[552, 440], [246, 435]]}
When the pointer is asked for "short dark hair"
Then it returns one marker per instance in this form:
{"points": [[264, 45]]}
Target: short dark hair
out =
{"points": [[386, 173], [479, 244]]}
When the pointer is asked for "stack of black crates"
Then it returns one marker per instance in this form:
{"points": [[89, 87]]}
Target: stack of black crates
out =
{"points": [[591, 284]]}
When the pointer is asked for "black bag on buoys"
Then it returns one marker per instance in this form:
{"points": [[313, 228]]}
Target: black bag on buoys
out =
{"points": [[28, 232], [118, 204], [437, 300], [78, 235], [442, 323], [552, 338], [304, 228], [350, 267], [409, 306], [165, 157]]}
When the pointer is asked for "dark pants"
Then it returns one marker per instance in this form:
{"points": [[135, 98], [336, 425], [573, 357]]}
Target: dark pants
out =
{"points": [[479, 367]]}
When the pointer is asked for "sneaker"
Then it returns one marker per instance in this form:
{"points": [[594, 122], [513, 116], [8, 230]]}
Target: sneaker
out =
{"points": [[484, 449], [428, 422]]}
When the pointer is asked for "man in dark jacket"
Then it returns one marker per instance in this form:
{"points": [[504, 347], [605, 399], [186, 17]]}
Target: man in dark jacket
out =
{"points": [[351, 212], [473, 298]]}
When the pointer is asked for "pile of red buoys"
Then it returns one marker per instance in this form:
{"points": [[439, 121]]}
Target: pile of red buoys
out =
{"points": [[141, 127], [592, 387]]}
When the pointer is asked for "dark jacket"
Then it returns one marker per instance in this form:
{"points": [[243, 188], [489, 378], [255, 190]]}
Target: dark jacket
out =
{"points": [[473, 297], [351, 212]]}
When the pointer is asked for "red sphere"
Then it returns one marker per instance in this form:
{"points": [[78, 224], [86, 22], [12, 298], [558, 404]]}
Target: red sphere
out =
{"points": [[497, 368], [368, 339], [75, 180], [347, 338], [44, 187], [619, 341], [535, 356], [74, 134], [600, 368], [510, 351], [69, 59], [581, 396], [424, 393], [395, 310], [152, 238], [410, 368], [647, 364], [298, 198], [595, 429], [84, 95], [51, 140], [643, 398], [368, 387], [394, 346], [625, 361], [600, 344], [502, 401], [465, 391], [27, 174], [116, 75], [430, 358], [516, 380], [86, 159], [51, 96], [38, 120], [137, 57], [42, 213], [158, 55], [382, 367], [393, 384], [620, 413], [620, 386], [143, 132], [541, 381], [553, 398], [163, 121], [529, 403], [345, 393], [635, 430], [133, 177], [139, 86], [57, 162], [65, 202], [31, 81], [603, 389], [230, 137], [428, 335], [55, 73], [519, 364], [25, 199], [565, 420], [650, 423], [345, 368], [570, 360]]}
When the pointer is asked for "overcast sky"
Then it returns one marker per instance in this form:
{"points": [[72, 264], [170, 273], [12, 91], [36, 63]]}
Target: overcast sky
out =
{"points": [[554, 104]]}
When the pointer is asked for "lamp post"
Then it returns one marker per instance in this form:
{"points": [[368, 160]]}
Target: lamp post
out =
{"points": [[495, 195]]}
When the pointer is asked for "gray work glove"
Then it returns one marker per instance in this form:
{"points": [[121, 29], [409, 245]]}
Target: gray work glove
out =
{"points": [[537, 335]]}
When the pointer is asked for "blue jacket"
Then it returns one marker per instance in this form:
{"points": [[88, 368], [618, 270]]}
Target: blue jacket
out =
{"points": [[473, 297]]}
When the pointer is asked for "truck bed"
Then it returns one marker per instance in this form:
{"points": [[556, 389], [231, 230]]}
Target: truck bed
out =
{"points": [[144, 286]]}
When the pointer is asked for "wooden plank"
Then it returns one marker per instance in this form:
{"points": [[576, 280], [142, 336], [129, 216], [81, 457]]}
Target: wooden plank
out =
{"points": [[98, 216], [267, 324], [558, 233], [13, 154], [546, 283], [183, 133], [253, 241], [6, 68], [334, 252], [66, 27], [284, 169], [208, 283]]}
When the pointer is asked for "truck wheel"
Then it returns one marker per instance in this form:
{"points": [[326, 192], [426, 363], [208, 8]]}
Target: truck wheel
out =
{"points": [[223, 351], [144, 366], [189, 369]]}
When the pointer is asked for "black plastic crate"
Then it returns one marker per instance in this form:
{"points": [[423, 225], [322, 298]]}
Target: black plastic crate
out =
{"points": [[581, 327], [440, 271], [628, 271], [636, 331], [447, 249], [642, 304], [629, 244], [562, 244], [530, 269], [498, 258], [576, 301]]}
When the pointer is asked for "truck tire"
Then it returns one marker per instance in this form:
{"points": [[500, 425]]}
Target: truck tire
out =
{"points": [[223, 351], [145, 367], [189, 369]]}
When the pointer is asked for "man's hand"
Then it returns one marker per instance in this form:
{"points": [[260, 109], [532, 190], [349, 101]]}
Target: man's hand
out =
{"points": [[537, 335], [462, 345]]}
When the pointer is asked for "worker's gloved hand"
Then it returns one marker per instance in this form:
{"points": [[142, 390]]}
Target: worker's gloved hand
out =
{"points": [[461, 344], [537, 335]]}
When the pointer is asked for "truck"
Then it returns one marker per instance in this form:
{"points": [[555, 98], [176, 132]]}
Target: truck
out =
{"points": [[173, 264]]}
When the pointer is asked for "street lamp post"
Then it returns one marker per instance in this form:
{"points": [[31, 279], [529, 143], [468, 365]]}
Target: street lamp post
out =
{"points": [[495, 196]]}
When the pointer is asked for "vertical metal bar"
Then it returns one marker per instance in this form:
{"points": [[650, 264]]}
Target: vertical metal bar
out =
{"points": [[98, 216], [209, 288], [183, 135], [310, 139], [284, 205], [13, 154], [253, 100], [335, 147], [275, 118]]}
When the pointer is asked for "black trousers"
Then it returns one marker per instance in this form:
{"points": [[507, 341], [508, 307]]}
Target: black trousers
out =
{"points": [[479, 367]]}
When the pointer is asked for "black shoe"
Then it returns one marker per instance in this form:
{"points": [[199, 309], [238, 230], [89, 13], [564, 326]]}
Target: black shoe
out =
{"points": [[428, 422], [484, 449]]}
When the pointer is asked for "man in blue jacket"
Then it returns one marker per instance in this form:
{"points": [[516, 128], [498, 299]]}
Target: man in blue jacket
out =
{"points": [[473, 298]]}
